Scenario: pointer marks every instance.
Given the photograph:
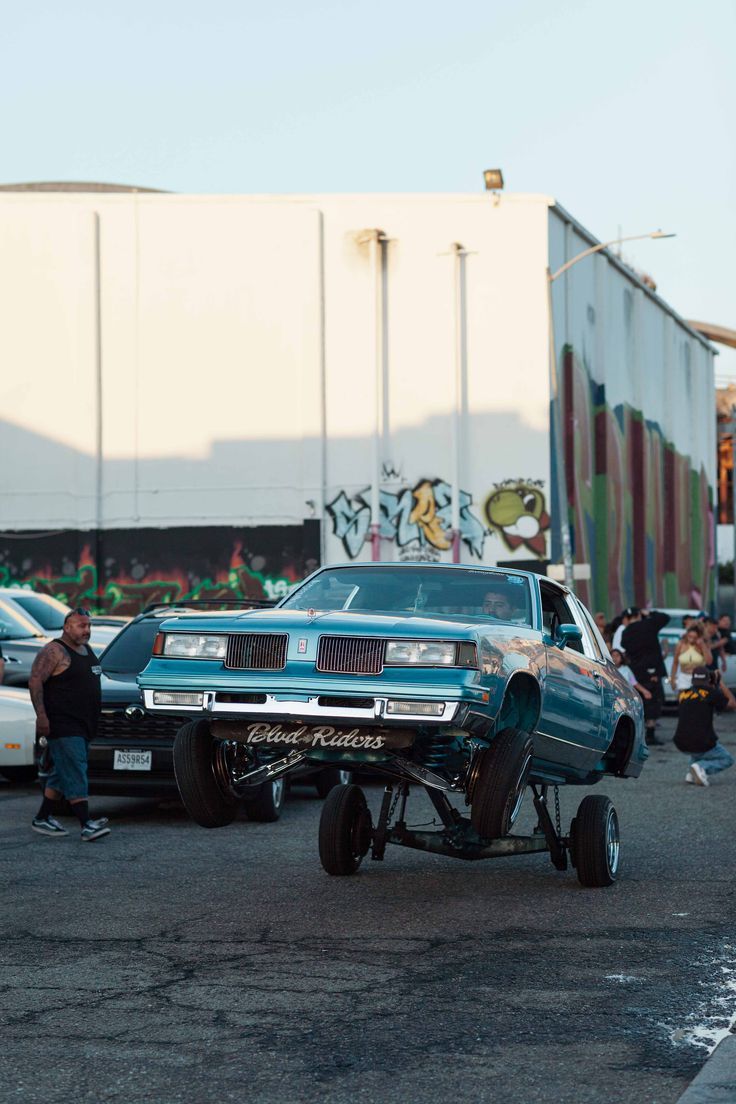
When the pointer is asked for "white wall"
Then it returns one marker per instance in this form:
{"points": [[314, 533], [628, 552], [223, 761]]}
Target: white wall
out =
{"points": [[216, 348]]}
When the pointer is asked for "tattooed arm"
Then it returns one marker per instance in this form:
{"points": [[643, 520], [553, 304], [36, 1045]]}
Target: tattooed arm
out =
{"points": [[51, 660]]}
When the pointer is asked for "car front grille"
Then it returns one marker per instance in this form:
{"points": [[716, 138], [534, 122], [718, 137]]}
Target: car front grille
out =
{"points": [[350, 655], [114, 725], [256, 651]]}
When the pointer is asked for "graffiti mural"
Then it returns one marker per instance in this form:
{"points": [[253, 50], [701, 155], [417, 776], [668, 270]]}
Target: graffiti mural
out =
{"points": [[517, 511], [639, 512], [143, 566], [417, 518]]}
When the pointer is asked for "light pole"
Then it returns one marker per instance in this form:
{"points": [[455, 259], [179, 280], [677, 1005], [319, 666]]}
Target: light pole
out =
{"points": [[556, 395]]}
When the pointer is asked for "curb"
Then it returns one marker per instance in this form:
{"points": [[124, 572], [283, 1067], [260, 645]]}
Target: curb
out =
{"points": [[716, 1082]]}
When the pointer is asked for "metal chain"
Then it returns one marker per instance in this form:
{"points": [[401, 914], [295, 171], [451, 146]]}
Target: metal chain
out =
{"points": [[557, 812]]}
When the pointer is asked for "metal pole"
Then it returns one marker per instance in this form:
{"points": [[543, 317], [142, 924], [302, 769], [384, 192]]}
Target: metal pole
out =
{"points": [[323, 393], [561, 465], [98, 406], [458, 254], [376, 248]]}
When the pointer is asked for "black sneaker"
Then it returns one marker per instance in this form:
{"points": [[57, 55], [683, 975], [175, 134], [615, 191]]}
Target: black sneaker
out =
{"points": [[47, 826], [94, 829]]}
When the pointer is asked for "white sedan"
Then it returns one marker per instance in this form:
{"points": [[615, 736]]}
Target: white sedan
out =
{"points": [[17, 735]]}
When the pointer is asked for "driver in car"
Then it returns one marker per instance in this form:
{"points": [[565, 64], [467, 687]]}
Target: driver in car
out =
{"points": [[496, 604]]}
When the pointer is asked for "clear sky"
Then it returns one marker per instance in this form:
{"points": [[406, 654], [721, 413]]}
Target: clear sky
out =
{"points": [[625, 112]]}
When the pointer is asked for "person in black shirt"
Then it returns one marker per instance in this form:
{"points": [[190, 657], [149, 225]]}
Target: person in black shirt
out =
{"points": [[695, 734], [65, 692], [640, 641]]}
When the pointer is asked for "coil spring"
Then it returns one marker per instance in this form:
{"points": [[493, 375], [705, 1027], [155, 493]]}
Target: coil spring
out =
{"points": [[435, 751]]}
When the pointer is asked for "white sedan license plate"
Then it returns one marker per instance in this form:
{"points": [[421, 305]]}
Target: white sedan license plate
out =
{"points": [[132, 760]]}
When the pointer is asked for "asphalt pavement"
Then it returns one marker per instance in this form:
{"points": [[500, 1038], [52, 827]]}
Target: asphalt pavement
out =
{"points": [[169, 963]]}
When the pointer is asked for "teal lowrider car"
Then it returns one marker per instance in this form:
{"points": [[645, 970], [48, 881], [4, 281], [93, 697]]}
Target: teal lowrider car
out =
{"points": [[472, 681]]}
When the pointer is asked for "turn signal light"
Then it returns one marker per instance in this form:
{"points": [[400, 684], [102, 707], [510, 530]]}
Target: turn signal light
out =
{"points": [[161, 697], [418, 709]]}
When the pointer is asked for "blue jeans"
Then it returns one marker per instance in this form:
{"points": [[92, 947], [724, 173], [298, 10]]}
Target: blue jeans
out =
{"points": [[69, 767], [717, 759]]}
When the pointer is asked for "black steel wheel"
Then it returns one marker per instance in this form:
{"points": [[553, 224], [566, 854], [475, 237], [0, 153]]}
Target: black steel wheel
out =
{"points": [[202, 786], [595, 843], [329, 777], [267, 802], [345, 830], [499, 781]]}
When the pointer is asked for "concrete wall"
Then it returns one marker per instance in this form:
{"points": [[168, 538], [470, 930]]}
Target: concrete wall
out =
{"points": [[255, 368], [639, 426], [230, 344]]}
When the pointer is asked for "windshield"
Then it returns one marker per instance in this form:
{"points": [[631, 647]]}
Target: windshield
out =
{"points": [[16, 626], [417, 590], [131, 649], [48, 611]]}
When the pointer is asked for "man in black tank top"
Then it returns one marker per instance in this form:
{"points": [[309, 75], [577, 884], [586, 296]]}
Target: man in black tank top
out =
{"points": [[65, 691]]}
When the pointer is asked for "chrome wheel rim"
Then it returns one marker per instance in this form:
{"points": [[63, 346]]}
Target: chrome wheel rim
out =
{"points": [[613, 842], [278, 792], [518, 794]]}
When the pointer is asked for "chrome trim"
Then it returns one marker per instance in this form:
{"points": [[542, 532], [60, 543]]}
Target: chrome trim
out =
{"points": [[274, 705], [270, 770], [562, 740]]}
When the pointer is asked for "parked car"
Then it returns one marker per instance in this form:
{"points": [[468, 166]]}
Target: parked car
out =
{"points": [[470, 681], [131, 755], [17, 735], [21, 639], [49, 613]]}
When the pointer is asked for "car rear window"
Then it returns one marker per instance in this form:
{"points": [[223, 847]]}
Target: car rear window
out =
{"points": [[131, 649]]}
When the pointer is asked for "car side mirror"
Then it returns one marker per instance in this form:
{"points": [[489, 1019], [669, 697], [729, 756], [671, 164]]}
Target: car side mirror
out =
{"points": [[568, 633]]}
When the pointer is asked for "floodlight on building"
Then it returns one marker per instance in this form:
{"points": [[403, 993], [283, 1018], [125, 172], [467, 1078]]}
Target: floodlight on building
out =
{"points": [[493, 179]]}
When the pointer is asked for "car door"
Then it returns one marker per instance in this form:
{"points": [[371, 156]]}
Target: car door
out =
{"points": [[571, 720]]}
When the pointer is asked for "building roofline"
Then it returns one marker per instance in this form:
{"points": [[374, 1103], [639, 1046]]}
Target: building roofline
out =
{"points": [[631, 275]]}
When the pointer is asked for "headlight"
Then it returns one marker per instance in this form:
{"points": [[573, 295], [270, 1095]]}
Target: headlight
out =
{"points": [[428, 653], [195, 645]]}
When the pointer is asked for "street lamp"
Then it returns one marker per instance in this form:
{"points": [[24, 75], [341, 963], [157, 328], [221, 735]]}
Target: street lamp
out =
{"points": [[555, 394]]}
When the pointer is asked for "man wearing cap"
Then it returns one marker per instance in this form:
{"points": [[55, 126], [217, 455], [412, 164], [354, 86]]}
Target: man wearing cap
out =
{"points": [[695, 734], [65, 691], [640, 641], [627, 614]]}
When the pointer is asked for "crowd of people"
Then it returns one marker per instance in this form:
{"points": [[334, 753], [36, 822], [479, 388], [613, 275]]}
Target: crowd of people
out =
{"points": [[698, 661]]}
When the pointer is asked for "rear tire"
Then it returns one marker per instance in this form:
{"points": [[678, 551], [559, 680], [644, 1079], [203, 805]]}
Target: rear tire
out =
{"points": [[19, 775], [266, 806], [345, 830], [595, 842], [499, 783], [330, 777], [203, 797]]}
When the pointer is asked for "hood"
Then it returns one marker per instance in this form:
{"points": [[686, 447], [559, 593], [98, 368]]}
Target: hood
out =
{"points": [[337, 622]]}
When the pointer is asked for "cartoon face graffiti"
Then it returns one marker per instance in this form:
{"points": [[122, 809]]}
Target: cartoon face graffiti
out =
{"points": [[516, 511]]}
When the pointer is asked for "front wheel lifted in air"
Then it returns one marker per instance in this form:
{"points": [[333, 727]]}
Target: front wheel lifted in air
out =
{"points": [[499, 779]]}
